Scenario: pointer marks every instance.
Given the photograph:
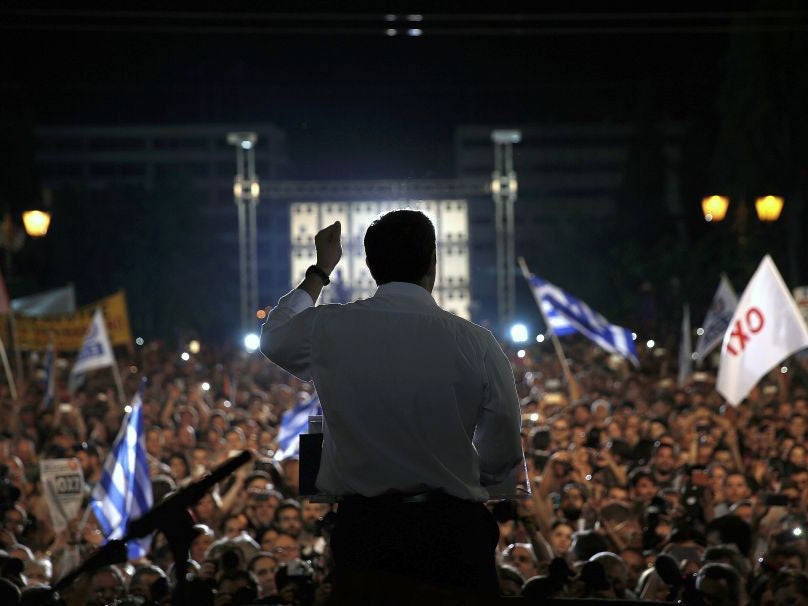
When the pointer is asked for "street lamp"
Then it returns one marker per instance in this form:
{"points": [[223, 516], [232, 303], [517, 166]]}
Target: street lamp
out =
{"points": [[714, 208], [768, 208], [36, 222]]}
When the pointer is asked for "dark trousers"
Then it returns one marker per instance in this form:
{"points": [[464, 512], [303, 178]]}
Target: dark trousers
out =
{"points": [[387, 551]]}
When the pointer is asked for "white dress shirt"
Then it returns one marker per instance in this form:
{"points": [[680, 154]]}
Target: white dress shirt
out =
{"points": [[414, 398]]}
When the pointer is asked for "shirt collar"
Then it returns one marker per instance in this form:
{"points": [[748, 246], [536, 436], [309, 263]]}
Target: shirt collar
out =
{"points": [[404, 289]]}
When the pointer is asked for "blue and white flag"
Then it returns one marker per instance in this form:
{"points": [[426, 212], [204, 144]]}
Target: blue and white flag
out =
{"points": [[294, 422], [50, 376], [717, 320], [567, 315], [124, 492], [96, 350]]}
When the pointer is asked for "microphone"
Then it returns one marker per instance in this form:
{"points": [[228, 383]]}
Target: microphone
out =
{"points": [[183, 498]]}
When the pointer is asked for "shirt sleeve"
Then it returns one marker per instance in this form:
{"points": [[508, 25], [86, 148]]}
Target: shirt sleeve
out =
{"points": [[497, 436], [286, 336]]}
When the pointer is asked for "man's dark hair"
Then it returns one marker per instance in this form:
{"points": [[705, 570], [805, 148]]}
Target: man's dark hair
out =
{"points": [[399, 246]]}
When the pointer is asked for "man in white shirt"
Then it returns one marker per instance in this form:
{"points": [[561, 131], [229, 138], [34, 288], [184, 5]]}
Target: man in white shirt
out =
{"points": [[421, 415]]}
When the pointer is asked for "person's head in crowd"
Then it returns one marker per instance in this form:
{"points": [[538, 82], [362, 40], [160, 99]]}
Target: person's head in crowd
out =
{"points": [[155, 442], [295, 581], [284, 546], [586, 543], [560, 538], [89, 456], [179, 465], [720, 585], [717, 474], [148, 582], [521, 557], [38, 571], [618, 522], [257, 481], [797, 427], [560, 432], [736, 487], [600, 409], [800, 478], [291, 475], [266, 537], [727, 554], [743, 509], [186, 416], [106, 585], [206, 510], [162, 486], [539, 438], [230, 554], [186, 438], [200, 460], [786, 556], [263, 566], [288, 517], [202, 540], [234, 439], [616, 572], [312, 513], [663, 462], [261, 506], [233, 524], [572, 501], [169, 438], [651, 587], [642, 486], [236, 588], [510, 581], [15, 520]]}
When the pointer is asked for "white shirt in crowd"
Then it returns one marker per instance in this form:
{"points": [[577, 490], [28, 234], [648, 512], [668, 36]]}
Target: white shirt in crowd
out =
{"points": [[414, 398]]}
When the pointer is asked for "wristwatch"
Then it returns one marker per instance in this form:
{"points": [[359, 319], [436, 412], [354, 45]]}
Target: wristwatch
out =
{"points": [[313, 269]]}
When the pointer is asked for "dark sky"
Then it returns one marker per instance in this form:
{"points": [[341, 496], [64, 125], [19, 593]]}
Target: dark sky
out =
{"points": [[354, 102]]}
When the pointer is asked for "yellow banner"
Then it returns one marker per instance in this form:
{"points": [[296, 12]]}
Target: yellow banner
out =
{"points": [[68, 329]]}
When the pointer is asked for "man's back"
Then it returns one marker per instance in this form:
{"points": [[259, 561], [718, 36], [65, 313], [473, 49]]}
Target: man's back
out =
{"points": [[403, 384]]}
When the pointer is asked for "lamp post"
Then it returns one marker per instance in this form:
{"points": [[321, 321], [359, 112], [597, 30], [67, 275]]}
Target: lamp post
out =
{"points": [[504, 188], [246, 192]]}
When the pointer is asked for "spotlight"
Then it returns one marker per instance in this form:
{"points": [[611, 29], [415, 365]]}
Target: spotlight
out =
{"points": [[518, 333], [252, 342]]}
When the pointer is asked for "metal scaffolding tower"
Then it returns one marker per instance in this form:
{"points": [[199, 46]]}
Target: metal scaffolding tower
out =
{"points": [[246, 191], [503, 190]]}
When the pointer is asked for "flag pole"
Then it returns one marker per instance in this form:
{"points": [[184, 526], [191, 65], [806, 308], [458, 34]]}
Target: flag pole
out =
{"points": [[118, 382], [572, 384], [7, 368]]}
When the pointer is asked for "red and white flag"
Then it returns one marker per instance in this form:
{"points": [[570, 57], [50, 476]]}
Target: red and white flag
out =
{"points": [[766, 328]]}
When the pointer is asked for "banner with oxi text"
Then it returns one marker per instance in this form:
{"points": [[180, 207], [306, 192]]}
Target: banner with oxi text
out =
{"points": [[63, 488], [766, 328], [67, 330]]}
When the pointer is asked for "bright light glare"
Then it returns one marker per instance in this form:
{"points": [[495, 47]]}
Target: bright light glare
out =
{"points": [[139, 341], [185, 356], [634, 336], [694, 356], [390, 31], [251, 342], [518, 333], [797, 532], [415, 31], [194, 346], [534, 417], [127, 409], [650, 343], [521, 353], [699, 331], [783, 369], [226, 404], [246, 144], [205, 386], [540, 339]]}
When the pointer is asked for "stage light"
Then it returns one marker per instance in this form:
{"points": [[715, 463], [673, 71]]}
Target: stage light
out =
{"points": [[194, 346], [185, 356], [414, 31], [699, 331], [252, 342], [521, 353], [205, 386], [518, 333], [539, 338], [127, 409], [634, 336], [139, 341], [650, 343]]}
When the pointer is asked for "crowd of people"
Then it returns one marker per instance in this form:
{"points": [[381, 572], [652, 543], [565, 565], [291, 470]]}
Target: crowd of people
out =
{"points": [[640, 488]]}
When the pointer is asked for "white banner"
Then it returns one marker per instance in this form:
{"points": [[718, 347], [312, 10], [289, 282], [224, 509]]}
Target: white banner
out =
{"points": [[717, 320], [766, 328], [96, 351], [63, 487]]}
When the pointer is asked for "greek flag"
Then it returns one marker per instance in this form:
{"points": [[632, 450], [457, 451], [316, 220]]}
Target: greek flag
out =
{"points": [[50, 376], [294, 422], [124, 492], [566, 315], [717, 321], [96, 350]]}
